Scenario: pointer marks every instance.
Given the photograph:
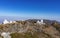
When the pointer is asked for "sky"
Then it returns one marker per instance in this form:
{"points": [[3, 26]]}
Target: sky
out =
{"points": [[49, 9]]}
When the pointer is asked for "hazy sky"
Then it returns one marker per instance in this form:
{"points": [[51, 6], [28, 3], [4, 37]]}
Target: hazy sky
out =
{"points": [[31, 8]]}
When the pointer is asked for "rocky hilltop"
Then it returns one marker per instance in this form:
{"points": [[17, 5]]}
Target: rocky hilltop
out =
{"points": [[31, 29]]}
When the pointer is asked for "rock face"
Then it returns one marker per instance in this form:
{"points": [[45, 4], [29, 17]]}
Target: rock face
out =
{"points": [[31, 29]]}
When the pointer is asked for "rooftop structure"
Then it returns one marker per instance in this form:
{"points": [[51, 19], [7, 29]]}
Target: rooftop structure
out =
{"points": [[40, 22], [6, 21]]}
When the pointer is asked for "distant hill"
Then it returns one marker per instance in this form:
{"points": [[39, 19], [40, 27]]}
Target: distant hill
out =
{"points": [[45, 21]]}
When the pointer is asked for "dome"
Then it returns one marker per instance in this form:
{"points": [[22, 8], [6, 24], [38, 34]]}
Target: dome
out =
{"points": [[41, 20], [5, 21]]}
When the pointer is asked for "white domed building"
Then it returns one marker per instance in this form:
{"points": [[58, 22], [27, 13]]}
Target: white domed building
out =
{"points": [[5, 21], [40, 22]]}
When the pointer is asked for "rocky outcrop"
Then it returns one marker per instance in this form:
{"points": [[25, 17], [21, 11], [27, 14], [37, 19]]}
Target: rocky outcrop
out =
{"points": [[31, 28]]}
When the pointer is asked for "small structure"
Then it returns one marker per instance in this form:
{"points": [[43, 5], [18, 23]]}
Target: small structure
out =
{"points": [[40, 22], [5, 35], [5, 21], [11, 21]]}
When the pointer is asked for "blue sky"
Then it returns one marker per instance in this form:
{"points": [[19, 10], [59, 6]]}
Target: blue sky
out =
{"points": [[31, 8]]}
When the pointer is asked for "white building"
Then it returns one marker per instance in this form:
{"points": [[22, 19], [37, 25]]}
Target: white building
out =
{"points": [[5, 21], [5, 35], [11, 21], [40, 22]]}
